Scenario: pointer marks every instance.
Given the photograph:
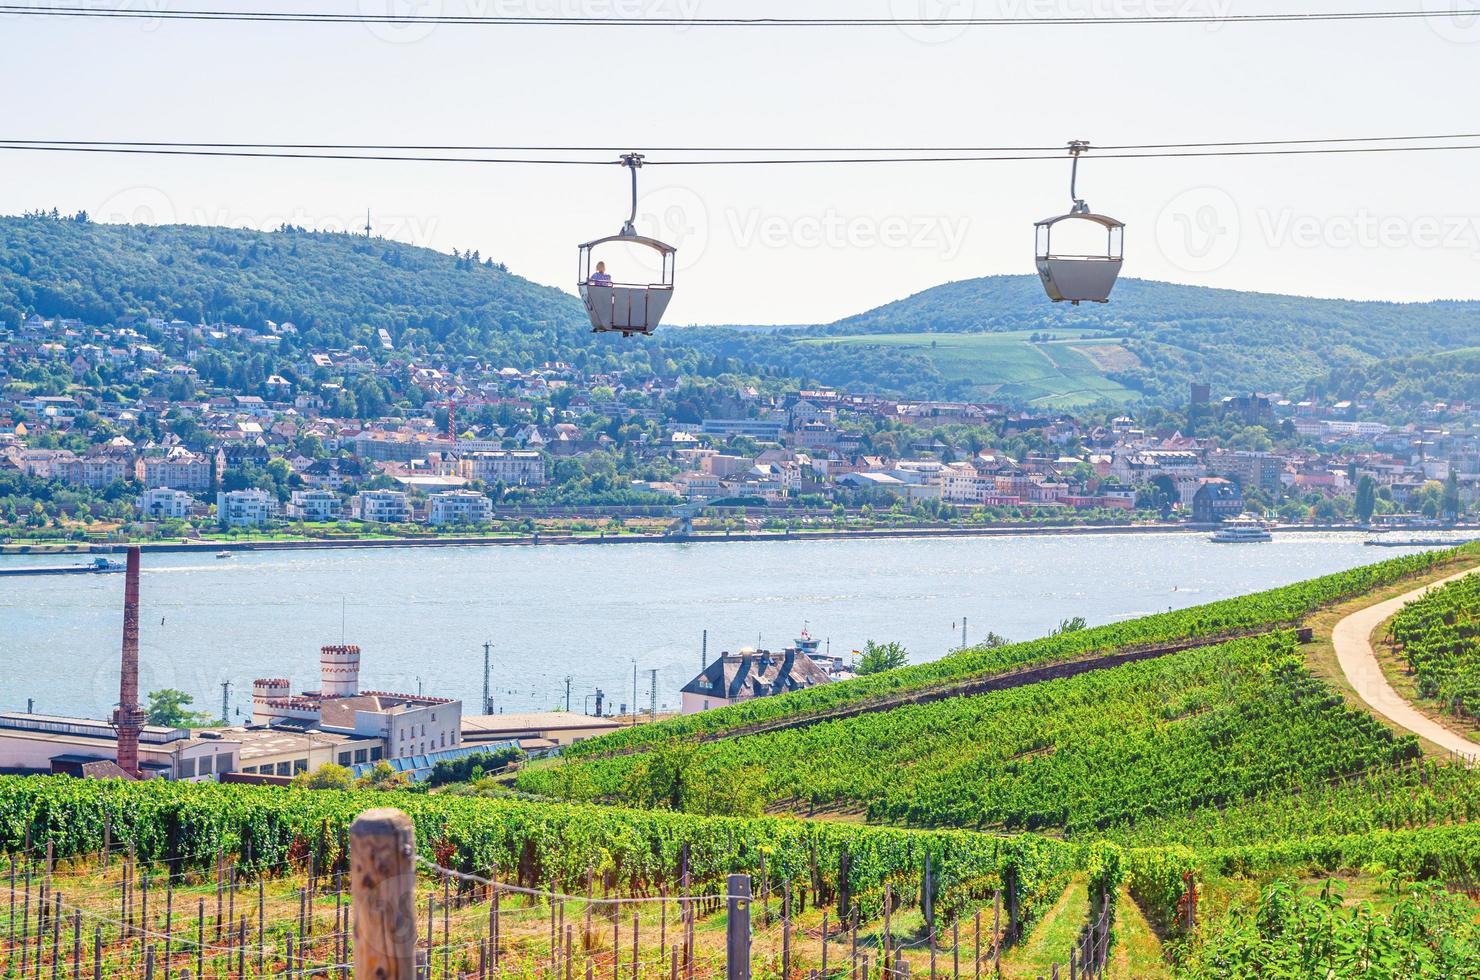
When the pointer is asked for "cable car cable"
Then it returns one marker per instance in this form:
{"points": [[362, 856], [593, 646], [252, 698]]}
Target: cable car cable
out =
{"points": [[759, 161], [476, 148], [311, 17]]}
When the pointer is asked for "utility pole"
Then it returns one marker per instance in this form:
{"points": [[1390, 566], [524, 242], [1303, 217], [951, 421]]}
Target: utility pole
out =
{"points": [[568, 679], [634, 690], [963, 632], [367, 222], [704, 652], [226, 702], [653, 694], [487, 698]]}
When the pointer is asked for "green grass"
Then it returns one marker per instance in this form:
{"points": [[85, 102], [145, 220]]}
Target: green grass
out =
{"points": [[1052, 938], [1009, 366]]}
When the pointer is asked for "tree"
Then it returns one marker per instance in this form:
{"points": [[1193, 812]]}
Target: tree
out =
{"points": [[170, 708], [382, 777], [1366, 498], [1450, 504], [877, 657], [328, 776], [1071, 625]]}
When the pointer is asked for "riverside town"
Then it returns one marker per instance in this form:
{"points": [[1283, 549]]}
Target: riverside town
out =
{"points": [[974, 510]]}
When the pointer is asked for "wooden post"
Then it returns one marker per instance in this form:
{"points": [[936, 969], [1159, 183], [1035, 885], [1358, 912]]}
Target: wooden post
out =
{"points": [[786, 931], [383, 894], [493, 913], [978, 956], [956, 950], [261, 935], [98, 953], [200, 939], [737, 929], [636, 948], [853, 956], [996, 928], [824, 940], [928, 900], [888, 930]]}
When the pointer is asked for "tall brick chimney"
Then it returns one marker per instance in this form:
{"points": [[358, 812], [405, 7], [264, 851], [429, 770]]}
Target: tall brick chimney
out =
{"points": [[128, 717]]}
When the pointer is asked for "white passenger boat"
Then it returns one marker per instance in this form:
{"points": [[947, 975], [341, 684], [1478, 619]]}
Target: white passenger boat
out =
{"points": [[1241, 531]]}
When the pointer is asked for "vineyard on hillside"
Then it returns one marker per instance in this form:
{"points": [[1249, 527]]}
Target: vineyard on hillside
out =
{"points": [[249, 882], [1439, 637], [1206, 728], [1216, 811], [1274, 608]]}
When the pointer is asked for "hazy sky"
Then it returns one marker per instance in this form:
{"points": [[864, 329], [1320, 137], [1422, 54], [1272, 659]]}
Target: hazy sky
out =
{"points": [[787, 244]]}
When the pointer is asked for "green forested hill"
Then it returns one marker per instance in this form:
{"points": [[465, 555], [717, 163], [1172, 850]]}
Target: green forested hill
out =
{"points": [[336, 287], [995, 337], [1399, 386], [1235, 340]]}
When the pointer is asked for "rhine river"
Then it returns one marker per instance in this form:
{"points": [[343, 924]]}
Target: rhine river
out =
{"points": [[421, 615]]}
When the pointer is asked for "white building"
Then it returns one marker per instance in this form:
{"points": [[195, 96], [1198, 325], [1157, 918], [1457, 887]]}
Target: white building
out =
{"points": [[245, 508], [94, 472], [179, 468], [382, 507], [84, 747], [162, 503], [314, 505], [962, 483], [406, 724], [460, 507], [513, 467]]}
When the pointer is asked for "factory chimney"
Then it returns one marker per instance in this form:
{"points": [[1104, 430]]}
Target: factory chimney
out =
{"points": [[128, 717]]}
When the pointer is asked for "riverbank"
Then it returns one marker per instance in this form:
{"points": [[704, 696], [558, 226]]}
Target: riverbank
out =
{"points": [[548, 539], [567, 539]]}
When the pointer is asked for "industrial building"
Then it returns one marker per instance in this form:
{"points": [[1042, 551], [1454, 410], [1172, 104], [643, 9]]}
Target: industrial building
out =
{"points": [[289, 733]]}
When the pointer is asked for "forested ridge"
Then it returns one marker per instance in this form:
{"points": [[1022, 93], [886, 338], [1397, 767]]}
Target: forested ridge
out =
{"points": [[339, 289]]}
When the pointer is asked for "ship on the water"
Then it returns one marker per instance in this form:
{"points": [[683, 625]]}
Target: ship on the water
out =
{"points": [[98, 566], [1241, 531]]}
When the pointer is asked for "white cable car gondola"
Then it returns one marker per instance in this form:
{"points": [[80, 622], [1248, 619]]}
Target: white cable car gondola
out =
{"points": [[626, 307], [1074, 277]]}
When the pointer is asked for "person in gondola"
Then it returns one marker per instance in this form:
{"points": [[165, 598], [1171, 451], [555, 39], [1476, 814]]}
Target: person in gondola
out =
{"points": [[600, 277]]}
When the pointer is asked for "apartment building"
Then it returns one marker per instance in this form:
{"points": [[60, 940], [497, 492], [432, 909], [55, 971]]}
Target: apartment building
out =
{"points": [[511, 467], [382, 507], [245, 508], [314, 505], [460, 507], [164, 503]]}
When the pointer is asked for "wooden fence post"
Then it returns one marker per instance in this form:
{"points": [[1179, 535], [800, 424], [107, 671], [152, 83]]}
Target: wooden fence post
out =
{"points": [[382, 848], [737, 929]]}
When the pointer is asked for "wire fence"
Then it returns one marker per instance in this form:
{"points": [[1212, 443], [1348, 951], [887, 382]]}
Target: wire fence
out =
{"points": [[110, 915]]}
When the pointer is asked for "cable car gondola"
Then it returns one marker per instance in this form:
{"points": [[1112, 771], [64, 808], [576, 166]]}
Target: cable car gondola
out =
{"points": [[1079, 278], [626, 307]]}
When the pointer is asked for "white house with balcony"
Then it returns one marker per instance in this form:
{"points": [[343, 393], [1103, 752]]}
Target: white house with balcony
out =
{"points": [[460, 507], [245, 508], [314, 505], [382, 507], [163, 503]]}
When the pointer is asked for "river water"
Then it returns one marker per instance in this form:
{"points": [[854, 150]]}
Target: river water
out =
{"points": [[422, 615]]}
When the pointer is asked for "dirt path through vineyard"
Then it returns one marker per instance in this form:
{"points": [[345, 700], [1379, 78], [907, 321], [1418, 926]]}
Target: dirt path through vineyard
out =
{"points": [[1352, 639]]}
